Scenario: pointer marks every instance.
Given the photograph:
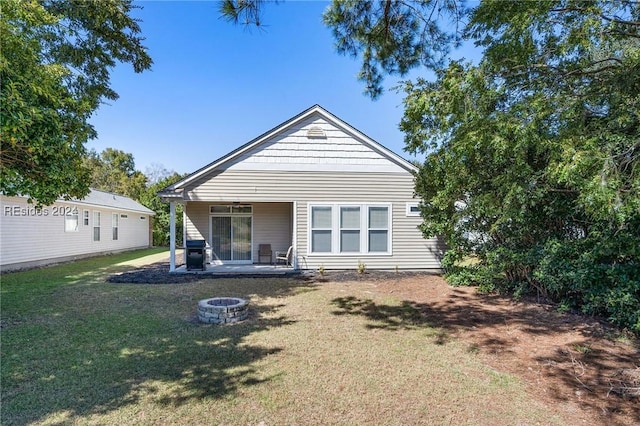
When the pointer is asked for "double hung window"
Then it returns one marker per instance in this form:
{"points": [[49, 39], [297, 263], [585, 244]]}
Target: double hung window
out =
{"points": [[96, 226], [350, 229], [114, 226], [321, 229], [378, 228]]}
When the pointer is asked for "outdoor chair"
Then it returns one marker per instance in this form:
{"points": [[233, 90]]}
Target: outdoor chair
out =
{"points": [[284, 257], [264, 250]]}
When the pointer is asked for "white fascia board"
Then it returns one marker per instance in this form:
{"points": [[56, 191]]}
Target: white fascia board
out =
{"points": [[171, 196]]}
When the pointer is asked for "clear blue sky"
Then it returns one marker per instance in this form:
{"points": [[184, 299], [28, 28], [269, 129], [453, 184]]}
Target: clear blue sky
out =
{"points": [[214, 85]]}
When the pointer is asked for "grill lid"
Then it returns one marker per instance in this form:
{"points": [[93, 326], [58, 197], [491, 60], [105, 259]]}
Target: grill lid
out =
{"points": [[196, 243]]}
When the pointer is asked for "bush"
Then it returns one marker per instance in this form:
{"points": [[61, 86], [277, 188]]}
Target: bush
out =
{"points": [[598, 275], [595, 276]]}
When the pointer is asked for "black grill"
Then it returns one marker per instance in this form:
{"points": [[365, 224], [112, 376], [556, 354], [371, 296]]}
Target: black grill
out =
{"points": [[195, 254]]}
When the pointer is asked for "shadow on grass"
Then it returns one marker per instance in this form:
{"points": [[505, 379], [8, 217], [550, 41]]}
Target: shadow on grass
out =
{"points": [[582, 366], [103, 347]]}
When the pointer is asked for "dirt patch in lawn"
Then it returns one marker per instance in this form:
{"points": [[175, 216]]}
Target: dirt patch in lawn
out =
{"points": [[582, 366]]}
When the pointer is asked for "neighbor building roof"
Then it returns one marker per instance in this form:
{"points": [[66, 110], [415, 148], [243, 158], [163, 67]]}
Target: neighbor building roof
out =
{"points": [[100, 198]]}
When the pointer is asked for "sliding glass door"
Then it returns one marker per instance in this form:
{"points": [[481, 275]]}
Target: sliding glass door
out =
{"points": [[231, 238]]}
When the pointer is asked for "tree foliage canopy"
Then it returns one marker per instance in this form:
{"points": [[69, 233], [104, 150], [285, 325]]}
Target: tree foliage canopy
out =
{"points": [[55, 62], [531, 154], [162, 218], [115, 171]]}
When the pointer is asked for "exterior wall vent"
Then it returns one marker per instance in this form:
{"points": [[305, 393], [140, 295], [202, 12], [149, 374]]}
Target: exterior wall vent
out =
{"points": [[316, 132]]}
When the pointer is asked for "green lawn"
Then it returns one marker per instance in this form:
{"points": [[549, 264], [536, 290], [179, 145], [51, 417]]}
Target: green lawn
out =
{"points": [[78, 350]]}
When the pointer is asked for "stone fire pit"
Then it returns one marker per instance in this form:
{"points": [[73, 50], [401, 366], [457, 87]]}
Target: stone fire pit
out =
{"points": [[223, 310]]}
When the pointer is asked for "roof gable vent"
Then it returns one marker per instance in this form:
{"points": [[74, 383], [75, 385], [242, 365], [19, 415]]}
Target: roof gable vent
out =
{"points": [[316, 132]]}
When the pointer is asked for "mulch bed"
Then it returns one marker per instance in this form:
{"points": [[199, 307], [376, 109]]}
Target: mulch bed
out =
{"points": [[158, 273]]}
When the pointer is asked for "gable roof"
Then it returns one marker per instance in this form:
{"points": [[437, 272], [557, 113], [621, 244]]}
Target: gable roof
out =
{"points": [[100, 198], [174, 190]]}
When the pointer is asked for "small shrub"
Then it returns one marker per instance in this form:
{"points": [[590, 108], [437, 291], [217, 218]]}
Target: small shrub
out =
{"points": [[362, 268], [321, 270], [583, 349], [563, 307], [476, 275]]}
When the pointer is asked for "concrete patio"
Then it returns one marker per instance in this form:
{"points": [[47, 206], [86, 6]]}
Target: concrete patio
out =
{"points": [[240, 270]]}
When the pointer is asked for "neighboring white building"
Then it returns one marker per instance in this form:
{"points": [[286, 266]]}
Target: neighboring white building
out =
{"points": [[313, 183], [102, 222]]}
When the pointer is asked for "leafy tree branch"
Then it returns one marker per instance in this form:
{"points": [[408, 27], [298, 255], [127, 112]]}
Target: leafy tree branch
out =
{"points": [[55, 64]]}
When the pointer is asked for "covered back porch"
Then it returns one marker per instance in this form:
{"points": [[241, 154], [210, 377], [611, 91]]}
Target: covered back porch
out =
{"points": [[239, 235]]}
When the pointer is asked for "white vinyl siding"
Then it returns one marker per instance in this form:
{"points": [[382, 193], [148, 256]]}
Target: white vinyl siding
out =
{"points": [[272, 224], [31, 240], [270, 186], [410, 250], [294, 150]]}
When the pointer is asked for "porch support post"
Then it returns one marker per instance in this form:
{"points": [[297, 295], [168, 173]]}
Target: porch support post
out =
{"points": [[172, 236], [184, 225], [294, 239]]}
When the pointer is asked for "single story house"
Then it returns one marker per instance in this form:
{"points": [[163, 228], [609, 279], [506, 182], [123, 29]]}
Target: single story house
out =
{"points": [[314, 184], [100, 223]]}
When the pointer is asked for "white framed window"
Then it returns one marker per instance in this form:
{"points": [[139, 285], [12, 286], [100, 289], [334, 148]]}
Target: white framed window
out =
{"points": [[71, 220], [85, 218], [413, 209], [96, 226], [219, 209], [231, 209], [378, 229], [350, 229], [114, 226], [321, 229]]}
